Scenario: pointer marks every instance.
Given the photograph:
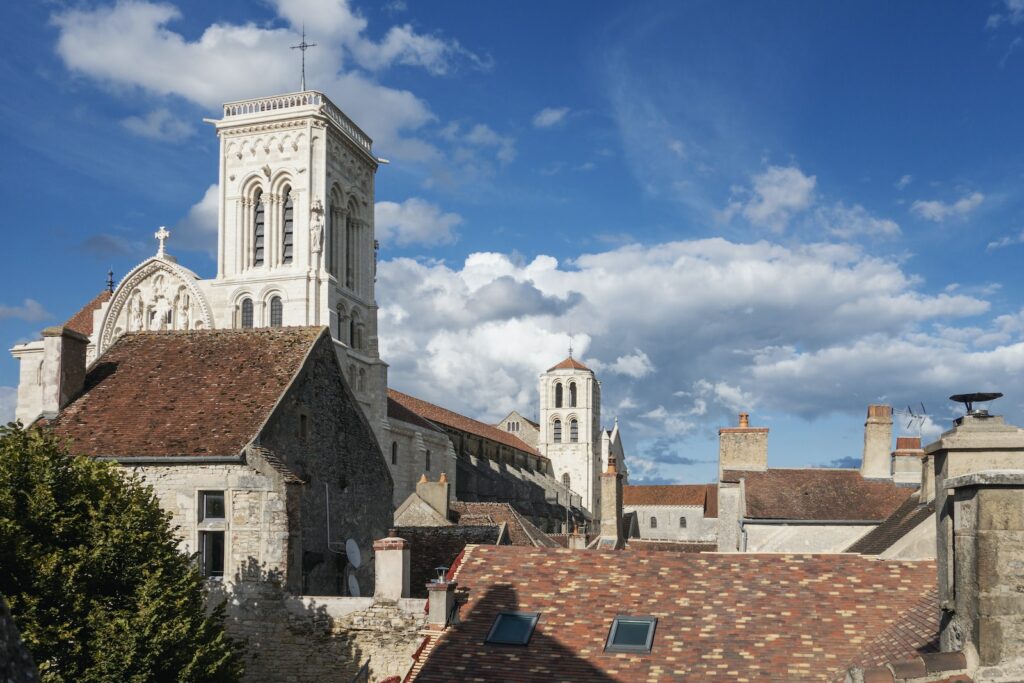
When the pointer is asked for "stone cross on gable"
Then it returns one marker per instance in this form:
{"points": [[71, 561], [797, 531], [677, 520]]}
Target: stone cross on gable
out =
{"points": [[162, 234]]}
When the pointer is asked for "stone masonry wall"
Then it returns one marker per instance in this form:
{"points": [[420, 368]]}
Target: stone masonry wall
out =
{"points": [[697, 527]]}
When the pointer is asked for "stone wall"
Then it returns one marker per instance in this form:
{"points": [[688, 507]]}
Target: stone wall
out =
{"points": [[802, 538], [16, 665], [698, 528], [411, 444], [434, 547]]}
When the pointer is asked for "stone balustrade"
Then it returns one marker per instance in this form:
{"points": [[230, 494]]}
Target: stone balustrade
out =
{"points": [[309, 98]]}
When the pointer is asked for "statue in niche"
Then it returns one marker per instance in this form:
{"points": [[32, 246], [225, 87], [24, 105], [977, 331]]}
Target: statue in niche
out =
{"points": [[135, 312], [181, 313], [316, 226]]}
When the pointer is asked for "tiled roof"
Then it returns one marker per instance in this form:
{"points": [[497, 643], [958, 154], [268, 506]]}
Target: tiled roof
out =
{"points": [[673, 546], [721, 617], [570, 364], [679, 494], [448, 418], [915, 632], [183, 393], [81, 322], [396, 411], [817, 493], [711, 502], [897, 525], [438, 546], [521, 531]]}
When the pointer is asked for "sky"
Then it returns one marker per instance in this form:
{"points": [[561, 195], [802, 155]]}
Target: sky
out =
{"points": [[791, 209]]}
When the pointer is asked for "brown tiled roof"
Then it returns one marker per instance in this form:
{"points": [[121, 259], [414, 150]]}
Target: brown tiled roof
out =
{"points": [[570, 364], [183, 393], [672, 546], [397, 411], [81, 322], [438, 546], [678, 494], [915, 632], [711, 502], [897, 525], [720, 616], [817, 494], [448, 418], [521, 531]]}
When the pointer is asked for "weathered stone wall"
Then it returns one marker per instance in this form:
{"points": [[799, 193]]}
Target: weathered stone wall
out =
{"points": [[742, 449], [347, 486], [697, 527], [16, 665], [730, 511], [434, 547], [411, 444], [322, 639]]}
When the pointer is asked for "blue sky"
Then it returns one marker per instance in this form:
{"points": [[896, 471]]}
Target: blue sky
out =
{"points": [[790, 208]]}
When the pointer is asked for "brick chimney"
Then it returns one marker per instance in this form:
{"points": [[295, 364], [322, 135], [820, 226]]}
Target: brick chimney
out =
{"points": [[906, 460], [611, 508], [437, 494], [979, 503], [742, 447], [877, 460], [391, 567], [63, 368]]}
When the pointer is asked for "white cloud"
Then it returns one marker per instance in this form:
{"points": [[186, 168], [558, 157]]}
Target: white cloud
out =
{"points": [[550, 116], [158, 124], [938, 211], [8, 404], [1014, 14], [1006, 241], [854, 221], [414, 221], [30, 311], [904, 181], [778, 193], [678, 147], [635, 365], [198, 229]]}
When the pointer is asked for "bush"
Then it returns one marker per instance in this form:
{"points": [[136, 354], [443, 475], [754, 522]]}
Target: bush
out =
{"points": [[91, 568]]}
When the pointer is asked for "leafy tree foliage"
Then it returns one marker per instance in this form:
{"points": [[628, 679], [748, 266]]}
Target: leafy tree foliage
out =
{"points": [[92, 571]]}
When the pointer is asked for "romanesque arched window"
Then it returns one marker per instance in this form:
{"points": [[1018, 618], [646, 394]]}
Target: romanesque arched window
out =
{"points": [[682, 522], [654, 522], [572, 394], [246, 312], [276, 312], [350, 247], [556, 431], [558, 395], [340, 312], [566, 480], [394, 452], [287, 226], [574, 430], [258, 225], [426, 460]]}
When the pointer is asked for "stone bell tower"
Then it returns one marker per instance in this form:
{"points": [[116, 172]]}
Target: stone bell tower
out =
{"points": [[295, 241]]}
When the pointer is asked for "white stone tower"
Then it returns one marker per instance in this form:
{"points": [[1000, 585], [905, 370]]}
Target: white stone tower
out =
{"points": [[570, 428], [295, 229]]}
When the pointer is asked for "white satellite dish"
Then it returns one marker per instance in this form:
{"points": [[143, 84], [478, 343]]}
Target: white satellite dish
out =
{"points": [[355, 558]]}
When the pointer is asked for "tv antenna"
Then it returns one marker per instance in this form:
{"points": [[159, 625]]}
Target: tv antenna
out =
{"points": [[914, 419]]}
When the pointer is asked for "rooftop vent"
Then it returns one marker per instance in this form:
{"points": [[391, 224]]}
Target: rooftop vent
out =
{"points": [[978, 397]]}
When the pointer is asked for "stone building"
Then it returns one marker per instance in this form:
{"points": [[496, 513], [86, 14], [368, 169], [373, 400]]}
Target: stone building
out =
{"points": [[522, 427], [250, 438], [682, 512]]}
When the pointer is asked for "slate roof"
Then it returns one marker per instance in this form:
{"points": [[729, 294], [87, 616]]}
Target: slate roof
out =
{"points": [[205, 392], [817, 494], [81, 322], [448, 418], [521, 531], [720, 616], [570, 364], [897, 525]]}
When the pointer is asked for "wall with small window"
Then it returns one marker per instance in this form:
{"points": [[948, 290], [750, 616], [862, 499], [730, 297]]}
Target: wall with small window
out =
{"points": [[674, 523]]}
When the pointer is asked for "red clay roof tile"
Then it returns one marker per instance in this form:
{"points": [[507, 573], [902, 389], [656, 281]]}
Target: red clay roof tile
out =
{"points": [[678, 494], [81, 322], [570, 364]]}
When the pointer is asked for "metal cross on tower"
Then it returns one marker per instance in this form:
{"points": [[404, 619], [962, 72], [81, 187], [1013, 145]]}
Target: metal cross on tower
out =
{"points": [[303, 46]]}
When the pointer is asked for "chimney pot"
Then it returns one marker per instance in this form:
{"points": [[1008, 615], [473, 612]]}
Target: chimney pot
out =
{"points": [[744, 420], [64, 353]]}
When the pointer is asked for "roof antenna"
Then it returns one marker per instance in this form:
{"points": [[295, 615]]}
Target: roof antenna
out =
{"points": [[110, 280], [303, 46]]}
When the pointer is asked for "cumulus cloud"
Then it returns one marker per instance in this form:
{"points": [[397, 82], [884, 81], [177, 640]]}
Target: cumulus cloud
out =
{"points": [[30, 311], [414, 221], [938, 211], [549, 116], [854, 221], [158, 124], [777, 194], [197, 231], [1006, 241], [8, 403], [1013, 13], [477, 137], [904, 180]]}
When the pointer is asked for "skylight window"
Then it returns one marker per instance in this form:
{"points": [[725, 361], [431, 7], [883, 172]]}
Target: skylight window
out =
{"points": [[512, 628], [631, 634]]}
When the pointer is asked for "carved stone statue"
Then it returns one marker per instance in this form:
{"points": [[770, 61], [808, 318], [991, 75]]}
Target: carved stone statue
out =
{"points": [[181, 312], [316, 226], [135, 312]]}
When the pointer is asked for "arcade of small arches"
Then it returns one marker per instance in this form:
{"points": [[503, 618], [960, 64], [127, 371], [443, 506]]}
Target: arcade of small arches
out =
{"points": [[268, 224], [345, 232], [560, 392], [349, 327], [557, 433], [269, 312], [513, 426]]}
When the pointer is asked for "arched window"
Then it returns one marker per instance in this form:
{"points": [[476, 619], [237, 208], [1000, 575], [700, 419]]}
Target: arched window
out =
{"points": [[276, 312], [574, 431], [556, 431], [350, 248], [340, 311], [258, 216], [394, 452], [331, 247], [353, 333], [246, 312], [558, 395], [566, 480], [572, 394], [654, 522], [682, 522], [362, 379], [426, 460], [287, 226]]}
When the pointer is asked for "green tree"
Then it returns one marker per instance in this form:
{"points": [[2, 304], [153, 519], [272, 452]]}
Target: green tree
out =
{"points": [[90, 565]]}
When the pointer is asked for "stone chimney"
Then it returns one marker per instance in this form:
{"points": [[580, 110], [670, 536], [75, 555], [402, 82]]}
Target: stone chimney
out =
{"points": [[906, 460], [440, 604], [979, 503], [437, 494], [742, 447], [63, 368], [877, 460], [927, 492], [611, 508], [577, 540], [391, 567]]}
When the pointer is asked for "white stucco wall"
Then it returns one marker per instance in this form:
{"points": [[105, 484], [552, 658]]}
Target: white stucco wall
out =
{"points": [[668, 529], [801, 538]]}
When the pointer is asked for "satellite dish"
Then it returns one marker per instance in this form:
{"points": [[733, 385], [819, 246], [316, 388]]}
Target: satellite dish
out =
{"points": [[353, 586], [978, 397], [355, 558]]}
